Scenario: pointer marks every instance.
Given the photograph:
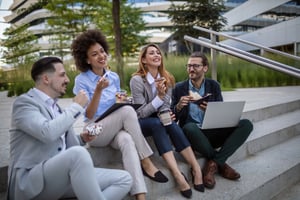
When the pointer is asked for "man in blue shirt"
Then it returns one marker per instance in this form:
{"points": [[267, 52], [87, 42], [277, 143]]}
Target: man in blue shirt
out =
{"points": [[190, 117]]}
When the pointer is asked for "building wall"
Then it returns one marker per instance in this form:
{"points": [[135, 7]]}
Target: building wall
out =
{"points": [[239, 12]]}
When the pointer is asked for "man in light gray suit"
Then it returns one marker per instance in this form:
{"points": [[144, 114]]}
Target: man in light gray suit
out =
{"points": [[46, 159]]}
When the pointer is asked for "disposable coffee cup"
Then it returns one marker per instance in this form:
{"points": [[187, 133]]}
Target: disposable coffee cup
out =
{"points": [[165, 117]]}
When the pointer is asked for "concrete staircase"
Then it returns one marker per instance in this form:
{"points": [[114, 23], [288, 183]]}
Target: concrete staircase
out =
{"points": [[269, 161]]}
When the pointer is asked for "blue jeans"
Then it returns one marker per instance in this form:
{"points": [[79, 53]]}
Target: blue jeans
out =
{"points": [[164, 136]]}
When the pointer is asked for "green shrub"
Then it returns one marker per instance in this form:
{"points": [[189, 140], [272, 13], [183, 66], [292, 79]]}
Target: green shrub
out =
{"points": [[231, 73], [19, 87]]}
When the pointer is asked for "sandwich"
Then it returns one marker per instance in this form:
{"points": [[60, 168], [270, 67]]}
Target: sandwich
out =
{"points": [[163, 79], [195, 96]]}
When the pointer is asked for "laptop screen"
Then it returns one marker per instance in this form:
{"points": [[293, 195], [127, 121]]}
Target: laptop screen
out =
{"points": [[222, 114]]}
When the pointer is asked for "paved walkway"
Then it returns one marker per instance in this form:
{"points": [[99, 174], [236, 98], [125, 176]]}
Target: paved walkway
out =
{"points": [[254, 97]]}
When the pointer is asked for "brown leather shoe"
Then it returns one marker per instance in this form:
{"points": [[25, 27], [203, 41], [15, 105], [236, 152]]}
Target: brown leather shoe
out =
{"points": [[227, 172], [209, 171]]}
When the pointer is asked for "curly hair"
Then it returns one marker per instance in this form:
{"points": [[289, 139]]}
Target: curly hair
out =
{"points": [[82, 43]]}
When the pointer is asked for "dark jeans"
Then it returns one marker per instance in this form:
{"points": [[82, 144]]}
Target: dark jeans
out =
{"points": [[163, 135], [228, 139]]}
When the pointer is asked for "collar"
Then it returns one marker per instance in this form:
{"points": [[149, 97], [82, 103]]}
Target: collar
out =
{"points": [[150, 78], [193, 87], [94, 77], [48, 100]]}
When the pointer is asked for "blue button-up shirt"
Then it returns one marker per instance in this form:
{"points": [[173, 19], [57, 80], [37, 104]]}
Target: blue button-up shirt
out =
{"points": [[87, 81], [196, 114]]}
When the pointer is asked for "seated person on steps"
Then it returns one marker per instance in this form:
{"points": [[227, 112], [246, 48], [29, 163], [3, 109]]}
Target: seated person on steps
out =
{"points": [[190, 116], [121, 128], [46, 159], [151, 86]]}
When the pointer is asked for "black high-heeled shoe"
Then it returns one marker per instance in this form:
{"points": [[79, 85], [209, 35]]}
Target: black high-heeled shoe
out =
{"points": [[186, 193], [158, 176], [199, 187]]}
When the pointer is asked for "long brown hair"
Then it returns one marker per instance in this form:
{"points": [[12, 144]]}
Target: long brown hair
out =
{"points": [[143, 70]]}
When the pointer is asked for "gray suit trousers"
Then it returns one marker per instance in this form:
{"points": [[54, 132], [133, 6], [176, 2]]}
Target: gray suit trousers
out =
{"points": [[71, 173]]}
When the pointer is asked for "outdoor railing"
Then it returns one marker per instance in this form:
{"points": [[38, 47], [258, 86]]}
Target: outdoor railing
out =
{"points": [[293, 71]]}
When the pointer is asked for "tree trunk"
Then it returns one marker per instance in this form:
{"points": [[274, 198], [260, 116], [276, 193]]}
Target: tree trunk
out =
{"points": [[118, 42]]}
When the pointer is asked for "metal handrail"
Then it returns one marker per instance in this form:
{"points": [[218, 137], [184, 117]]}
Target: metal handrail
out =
{"points": [[252, 55], [248, 42], [246, 56]]}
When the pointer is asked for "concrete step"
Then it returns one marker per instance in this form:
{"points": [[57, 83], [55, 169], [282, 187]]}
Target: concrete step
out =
{"points": [[258, 98], [275, 113], [250, 178], [265, 112], [291, 193], [269, 132], [263, 176], [266, 133]]}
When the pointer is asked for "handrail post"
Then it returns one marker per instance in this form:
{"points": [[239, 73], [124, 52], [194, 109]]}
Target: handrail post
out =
{"points": [[296, 49], [213, 54], [262, 51]]}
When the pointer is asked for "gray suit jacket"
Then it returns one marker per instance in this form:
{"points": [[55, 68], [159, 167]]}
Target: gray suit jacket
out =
{"points": [[35, 136], [142, 94]]}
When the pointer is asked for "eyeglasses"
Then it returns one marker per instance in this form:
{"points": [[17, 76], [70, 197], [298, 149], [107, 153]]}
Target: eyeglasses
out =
{"points": [[195, 66]]}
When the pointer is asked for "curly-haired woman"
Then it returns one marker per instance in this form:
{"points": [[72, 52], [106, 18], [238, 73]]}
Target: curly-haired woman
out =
{"points": [[121, 128]]}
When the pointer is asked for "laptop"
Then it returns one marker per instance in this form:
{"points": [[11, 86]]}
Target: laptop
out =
{"points": [[222, 114]]}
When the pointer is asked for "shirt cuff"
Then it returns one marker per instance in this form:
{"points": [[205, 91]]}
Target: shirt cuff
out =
{"points": [[157, 102]]}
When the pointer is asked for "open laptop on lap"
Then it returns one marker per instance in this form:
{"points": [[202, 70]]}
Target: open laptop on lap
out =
{"points": [[222, 114]]}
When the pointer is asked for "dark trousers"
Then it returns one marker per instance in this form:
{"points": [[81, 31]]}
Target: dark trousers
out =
{"points": [[164, 136], [228, 140]]}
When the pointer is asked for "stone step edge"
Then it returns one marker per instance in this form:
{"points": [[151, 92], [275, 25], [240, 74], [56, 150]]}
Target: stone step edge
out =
{"points": [[269, 132], [263, 176], [259, 114], [259, 139], [242, 153]]}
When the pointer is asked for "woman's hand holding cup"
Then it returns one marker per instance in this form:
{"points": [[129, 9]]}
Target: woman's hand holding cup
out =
{"points": [[165, 117]]}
